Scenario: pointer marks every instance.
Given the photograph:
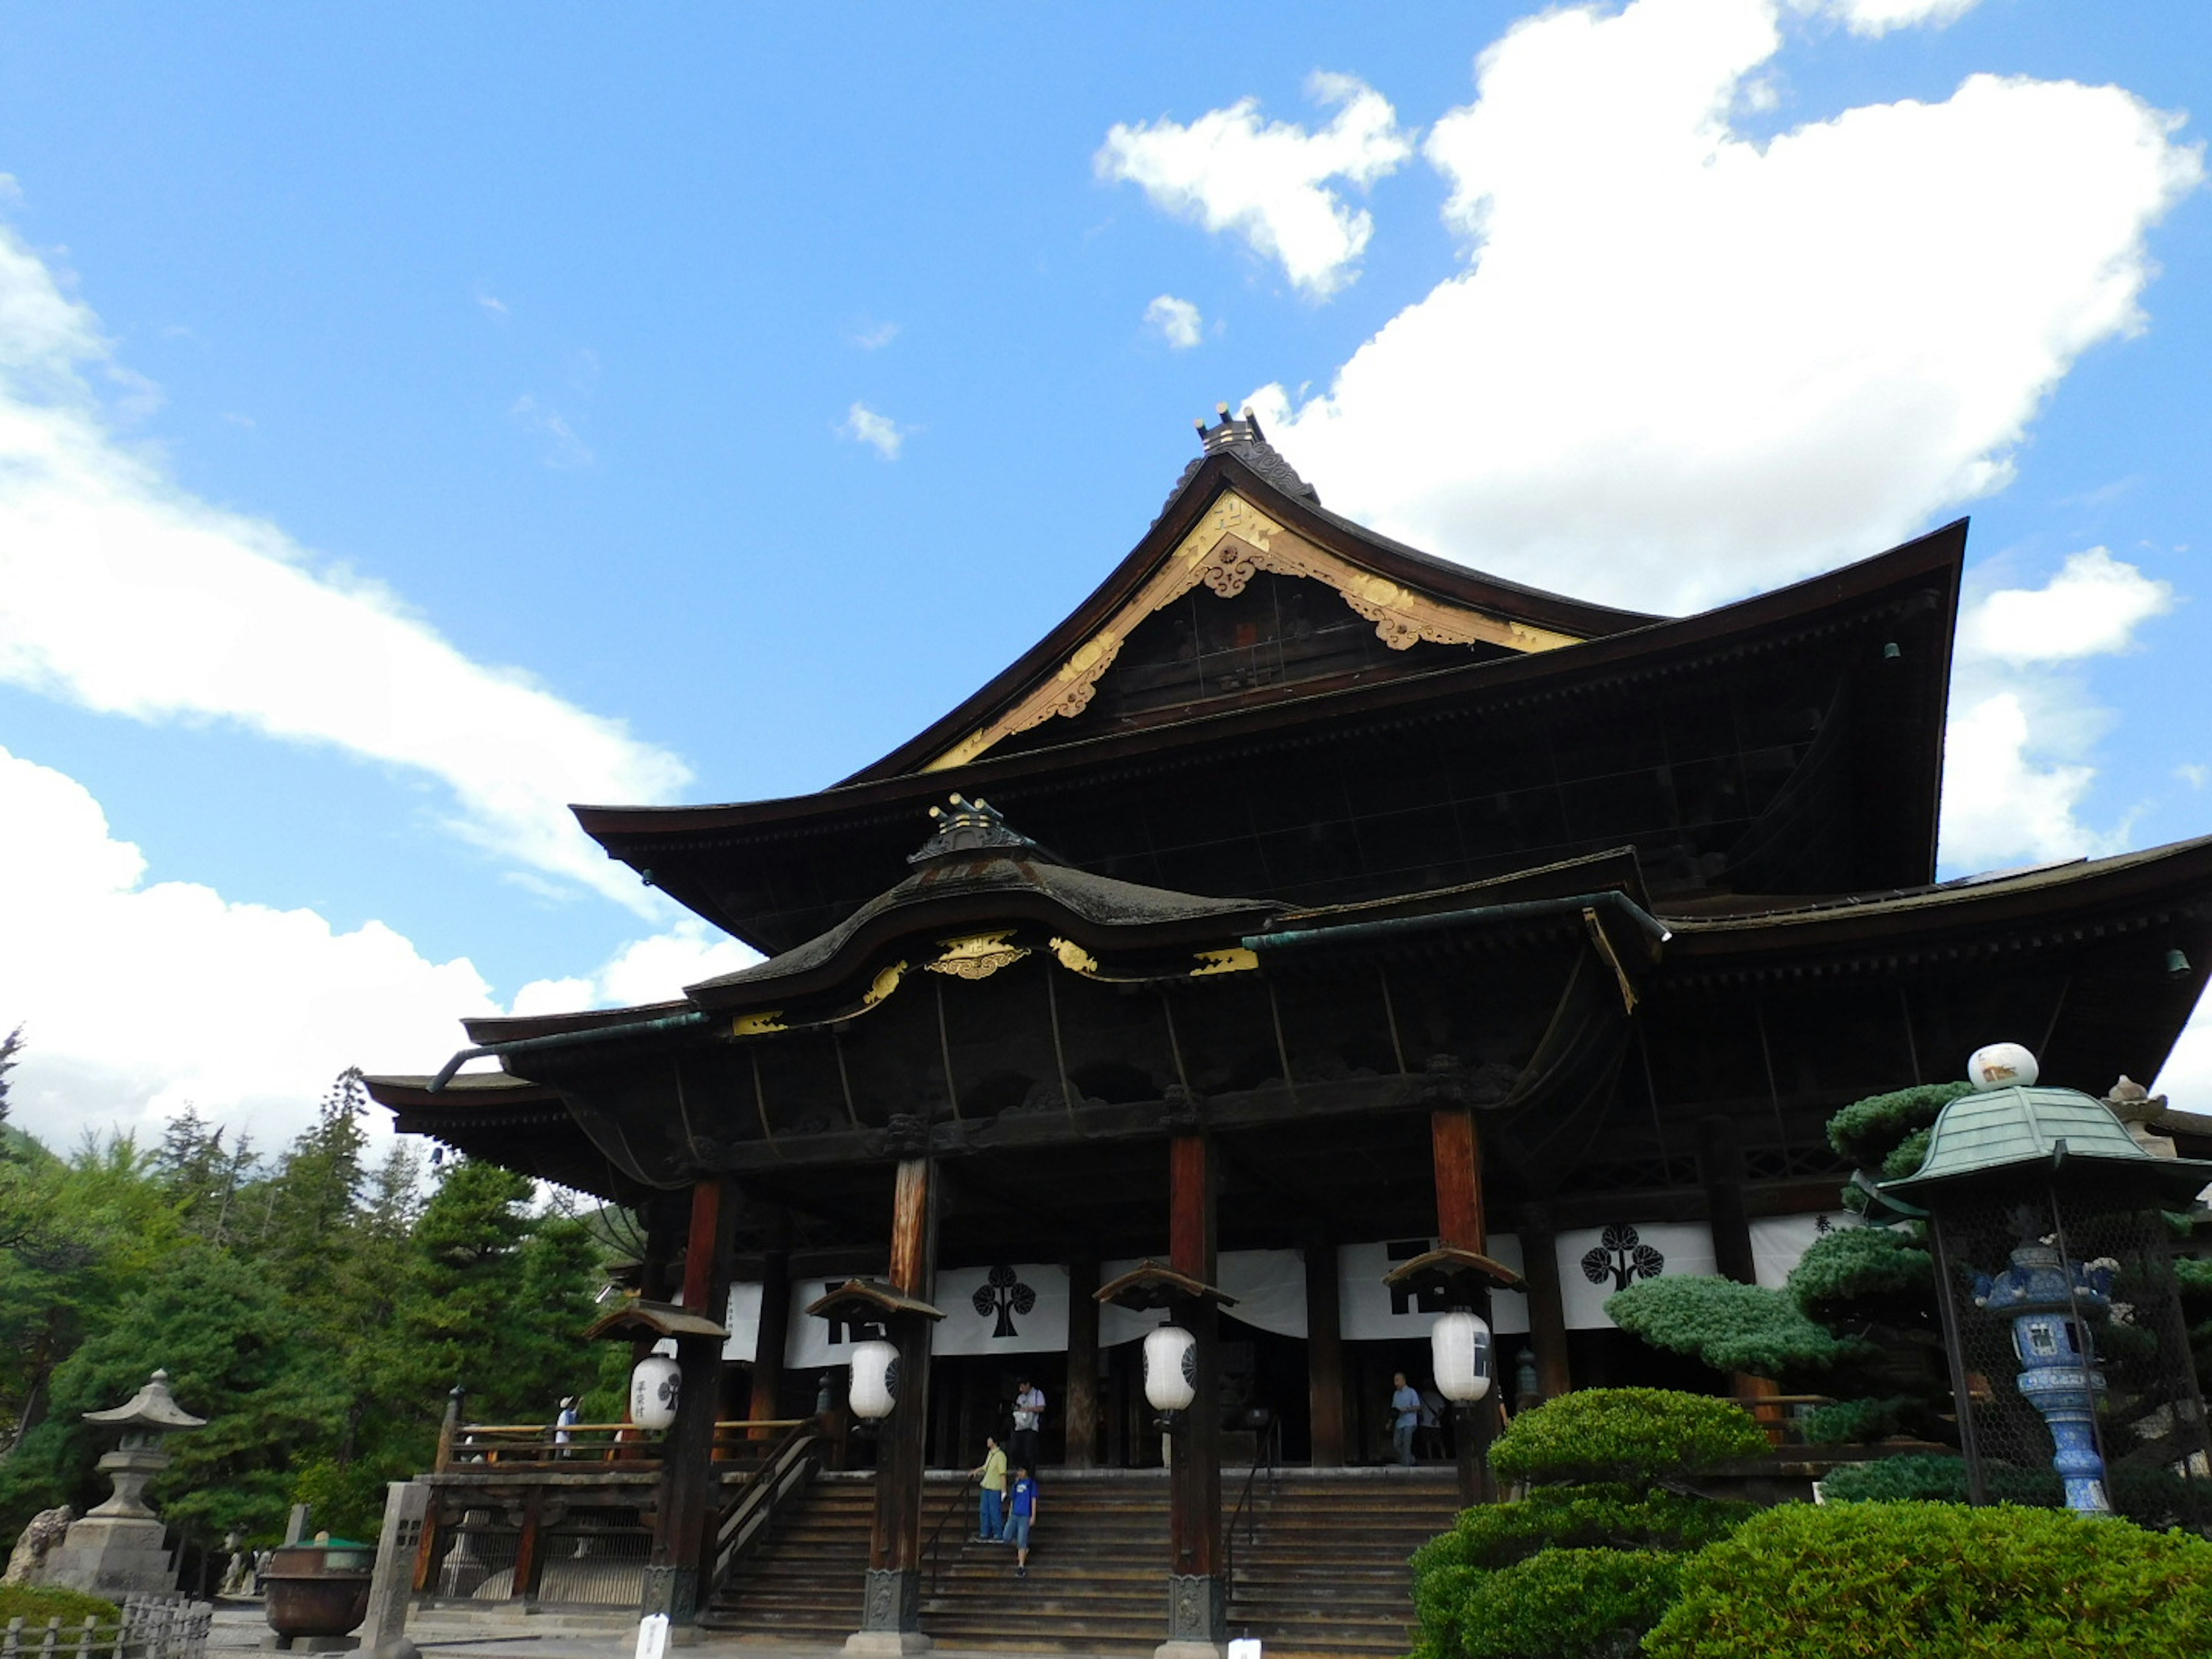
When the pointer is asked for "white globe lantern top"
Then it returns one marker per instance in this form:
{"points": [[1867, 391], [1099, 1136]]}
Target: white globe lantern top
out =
{"points": [[1458, 1350], [654, 1383], [875, 1380], [2002, 1066], [1171, 1368]]}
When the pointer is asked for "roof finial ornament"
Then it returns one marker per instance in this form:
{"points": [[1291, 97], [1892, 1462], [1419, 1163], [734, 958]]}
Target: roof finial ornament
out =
{"points": [[1241, 435], [969, 826]]}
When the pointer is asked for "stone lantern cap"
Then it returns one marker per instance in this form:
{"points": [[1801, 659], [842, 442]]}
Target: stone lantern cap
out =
{"points": [[152, 1409], [2020, 1131]]}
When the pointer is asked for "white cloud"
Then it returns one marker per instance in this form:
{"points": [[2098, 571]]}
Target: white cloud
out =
{"points": [[879, 432], [1876, 17], [2017, 753], [564, 451], [1684, 364], [122, 592], [2091, 607], [1269, 182], [2194, 775], [492, 303], [2186, 1077], [1177, 321], [136, 999], [876, 338], [653, 970]]}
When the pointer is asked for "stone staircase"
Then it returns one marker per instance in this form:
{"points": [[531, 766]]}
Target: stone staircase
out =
{"points": [[1322, 1575]]}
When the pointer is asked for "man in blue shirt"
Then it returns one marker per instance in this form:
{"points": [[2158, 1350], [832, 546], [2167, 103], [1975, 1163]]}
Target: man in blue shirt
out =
{"points": [[1017, 1523], [1406, 1404]]}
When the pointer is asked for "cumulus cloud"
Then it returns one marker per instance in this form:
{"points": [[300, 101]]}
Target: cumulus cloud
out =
{"points": [[2022, 732], [1876, 17], [652, 970], [123, 593], [1177, 321], [2093, 606], [879, 432], [136, 999], [1683, 364], [1270, 182]]}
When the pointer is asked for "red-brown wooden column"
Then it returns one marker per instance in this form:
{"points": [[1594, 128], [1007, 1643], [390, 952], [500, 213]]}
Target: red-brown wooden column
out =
{"points": [[891, 1612], [775, 1332], [1456, 1149], [1547, 1311], [684, 1504], [1082, 1417], [1198, 1601], [1325, 1352]]}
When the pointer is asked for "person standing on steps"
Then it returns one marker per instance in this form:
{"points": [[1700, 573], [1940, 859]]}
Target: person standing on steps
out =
{"points": [[992, 1476], [1023, 1515], [1029, 1417], [1405, 1416]]}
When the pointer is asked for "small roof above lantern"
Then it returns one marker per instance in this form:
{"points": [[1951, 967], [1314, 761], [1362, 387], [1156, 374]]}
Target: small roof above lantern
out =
{"points": [[153, 1407], [2015, 1131]]}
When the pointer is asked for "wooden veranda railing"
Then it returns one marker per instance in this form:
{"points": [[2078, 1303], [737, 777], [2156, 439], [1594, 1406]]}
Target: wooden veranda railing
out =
{"points": [[580, 1448]]}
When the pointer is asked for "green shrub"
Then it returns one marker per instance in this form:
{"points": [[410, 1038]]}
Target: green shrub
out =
{"points": [[1940, 1581], [1621, 1517], [1730, 1326], [2157, 1498], [1568, 1604], [1634, 1435], [1865, 1274], [34, 1604], [1906, 1158], [1868, 1131], [1861, 1422]]}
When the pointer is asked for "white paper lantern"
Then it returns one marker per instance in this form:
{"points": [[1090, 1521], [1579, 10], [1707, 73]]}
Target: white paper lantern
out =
{"points": [[1459, 1349], [2001, 1066], [875, 1379], [1171, 1368], [654, 1383]]}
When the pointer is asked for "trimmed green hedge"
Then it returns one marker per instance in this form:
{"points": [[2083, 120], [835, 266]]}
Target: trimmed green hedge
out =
{"points": [[1731, 1326], [34, 1604], [1632, 1435], [1857, 1273], [1611, 1516], [1868, 1131], [2152, 1497], [1940, 1581], [1568, 1604]]}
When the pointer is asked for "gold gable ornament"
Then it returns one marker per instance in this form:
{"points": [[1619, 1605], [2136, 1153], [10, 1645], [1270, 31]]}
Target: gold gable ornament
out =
{"points": [[978, 956], [1234, 542]]}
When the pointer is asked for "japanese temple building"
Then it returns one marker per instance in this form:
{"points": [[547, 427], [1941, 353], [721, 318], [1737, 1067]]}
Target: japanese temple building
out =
{"points": [[1301, 909]]}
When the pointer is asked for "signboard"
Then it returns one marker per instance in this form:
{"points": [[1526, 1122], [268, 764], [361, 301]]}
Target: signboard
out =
{"points": [[1597, 1262]]}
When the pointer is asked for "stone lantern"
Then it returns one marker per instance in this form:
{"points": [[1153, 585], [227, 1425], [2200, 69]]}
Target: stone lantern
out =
{"points": [[2062, 1316], [118, 1548]]}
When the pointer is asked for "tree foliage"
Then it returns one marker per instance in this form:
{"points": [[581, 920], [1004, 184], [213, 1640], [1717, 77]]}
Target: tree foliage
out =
{"points": [[315, 1307], [1634, 1435], [1731, 1326], [1940, 1581]]}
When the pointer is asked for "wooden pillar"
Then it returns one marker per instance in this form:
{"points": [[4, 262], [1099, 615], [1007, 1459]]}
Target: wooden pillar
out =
{"points": [[774, 1336], [890, 1613], [1720, 1157], [1324, 1354], [1547, 1309], [1198, 1601], [1456, 1151], [1082, 1364], [684, 1507]]}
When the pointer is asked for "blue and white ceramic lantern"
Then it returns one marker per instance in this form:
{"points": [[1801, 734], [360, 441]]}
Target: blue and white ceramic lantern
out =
{"points": [[2042, 1294]]}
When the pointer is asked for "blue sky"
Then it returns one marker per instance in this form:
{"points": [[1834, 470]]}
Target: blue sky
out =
{"points": [[410, 420]]}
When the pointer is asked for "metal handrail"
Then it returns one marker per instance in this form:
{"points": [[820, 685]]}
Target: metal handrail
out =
{"points": [[1266, 1453], [751, 1513], [958, 1506]]}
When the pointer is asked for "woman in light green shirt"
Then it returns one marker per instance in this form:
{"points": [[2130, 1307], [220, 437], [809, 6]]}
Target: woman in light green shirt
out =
{"points": [[992, 1476]]}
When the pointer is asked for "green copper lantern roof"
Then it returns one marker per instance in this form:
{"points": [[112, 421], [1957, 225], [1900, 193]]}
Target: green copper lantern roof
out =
{"points": [[2020, 1131]]}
